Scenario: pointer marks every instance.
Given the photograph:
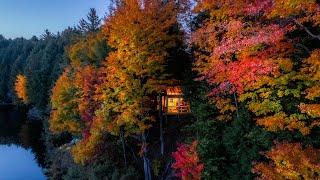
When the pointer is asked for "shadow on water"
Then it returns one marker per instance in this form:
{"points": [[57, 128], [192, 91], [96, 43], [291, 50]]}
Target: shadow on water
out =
{"points": [[15, 129]]}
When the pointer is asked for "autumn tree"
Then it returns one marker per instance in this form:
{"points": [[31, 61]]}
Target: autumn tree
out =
{"points": [[261, 55], [289, 161], [139, 31], [20, 87], [65, 116], [187, 162], [248, 57]]}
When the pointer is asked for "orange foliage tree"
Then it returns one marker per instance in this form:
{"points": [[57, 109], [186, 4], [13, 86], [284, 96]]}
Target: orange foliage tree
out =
{"points": [[140, 33], [290, 161], [20, 87], [135, 70]]}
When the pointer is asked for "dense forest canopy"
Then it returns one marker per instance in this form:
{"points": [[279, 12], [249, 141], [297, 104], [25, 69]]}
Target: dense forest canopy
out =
{"points": [[250, 70]]}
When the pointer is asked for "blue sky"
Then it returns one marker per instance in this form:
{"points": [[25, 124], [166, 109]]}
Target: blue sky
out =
{"points": [[25, 18]]}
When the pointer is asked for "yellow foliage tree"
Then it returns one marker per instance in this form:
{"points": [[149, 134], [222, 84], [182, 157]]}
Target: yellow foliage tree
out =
{"points": [[20, 87]]}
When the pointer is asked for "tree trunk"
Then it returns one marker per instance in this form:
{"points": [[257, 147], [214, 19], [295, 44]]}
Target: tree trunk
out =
{"points": [[123, 147], [146, 161], [236, 103], [161, 126]]}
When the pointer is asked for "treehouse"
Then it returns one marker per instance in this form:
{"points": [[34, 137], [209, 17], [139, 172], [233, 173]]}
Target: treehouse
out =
{"points": [[172, 102]]}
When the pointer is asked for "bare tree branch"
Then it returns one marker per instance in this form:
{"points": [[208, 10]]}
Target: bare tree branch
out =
{"points": [[307, 30]]}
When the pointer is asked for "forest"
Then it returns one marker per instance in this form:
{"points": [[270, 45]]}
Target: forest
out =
{"points": [[244, 74]]}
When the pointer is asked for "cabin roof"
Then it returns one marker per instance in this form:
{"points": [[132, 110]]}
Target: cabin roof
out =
{"points": [[174, 90]]}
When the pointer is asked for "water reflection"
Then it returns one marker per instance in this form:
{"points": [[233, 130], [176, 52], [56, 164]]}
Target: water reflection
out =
{"points": [[21, 147], [18, 163]]}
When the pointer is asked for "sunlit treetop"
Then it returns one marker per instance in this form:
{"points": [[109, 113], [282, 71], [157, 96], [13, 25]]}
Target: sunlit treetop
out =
{"points": [[90, 50]]}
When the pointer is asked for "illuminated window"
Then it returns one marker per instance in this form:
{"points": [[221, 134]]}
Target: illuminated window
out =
{"points": [[173, 103]]}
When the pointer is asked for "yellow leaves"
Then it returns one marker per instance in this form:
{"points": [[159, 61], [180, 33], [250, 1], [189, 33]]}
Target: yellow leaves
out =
{"points": [[20, 87], [224, 105], [88, 51], [264, 107], [224, 117], [247, 96], [85, 149], [64, 101], [265, 95], [290, 161], [280, 93], [59, 123], [292, 8]]}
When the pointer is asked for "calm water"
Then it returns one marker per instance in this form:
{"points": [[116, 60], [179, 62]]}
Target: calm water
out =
{"points": [[21, 147]]}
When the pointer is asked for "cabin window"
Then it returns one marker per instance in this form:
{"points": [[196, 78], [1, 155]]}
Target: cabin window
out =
{"points": [[177, 105]]}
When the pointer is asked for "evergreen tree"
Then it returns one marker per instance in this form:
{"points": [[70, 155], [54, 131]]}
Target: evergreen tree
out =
{"points": [[91, 24]]}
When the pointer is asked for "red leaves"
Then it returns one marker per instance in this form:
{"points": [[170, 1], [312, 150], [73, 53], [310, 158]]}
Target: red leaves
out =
{"points": [[258, 6], [86, 79], [187, 162], [239, 75], [248, 38]]}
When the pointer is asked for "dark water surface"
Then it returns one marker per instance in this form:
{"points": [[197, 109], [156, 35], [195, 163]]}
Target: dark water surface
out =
{"points": [[21, 147]]}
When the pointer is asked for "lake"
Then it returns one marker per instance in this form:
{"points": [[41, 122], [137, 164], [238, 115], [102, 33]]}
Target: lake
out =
{"points": [[21, 147]]}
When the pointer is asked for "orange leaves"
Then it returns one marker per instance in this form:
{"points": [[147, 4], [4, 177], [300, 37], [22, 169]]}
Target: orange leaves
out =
{"points": [[290, 161], [311, 67], [313, 92], [20, 87], [280, 121], [305, 10], [140, 33], [285, 64], [187, 162], [273, 123], [312, 110]]}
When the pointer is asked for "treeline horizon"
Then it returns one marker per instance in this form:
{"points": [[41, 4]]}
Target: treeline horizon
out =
{"points": [[41, 59]]}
